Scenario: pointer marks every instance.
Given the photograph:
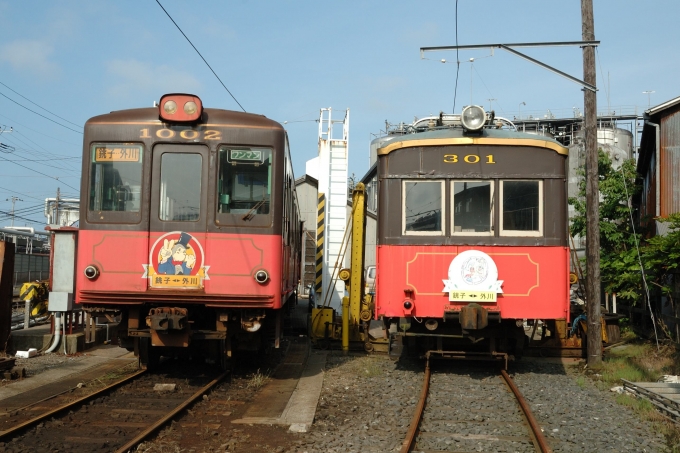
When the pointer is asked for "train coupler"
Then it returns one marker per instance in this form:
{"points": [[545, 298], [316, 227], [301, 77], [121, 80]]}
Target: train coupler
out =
{"points": [[167, 318], [169, 326], [474, 317]]}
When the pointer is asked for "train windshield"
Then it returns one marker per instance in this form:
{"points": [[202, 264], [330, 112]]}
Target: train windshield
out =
{"points": [[423, 206], [244, 182], [116, 177], [521, 213], [180, 196], [472, 207]]}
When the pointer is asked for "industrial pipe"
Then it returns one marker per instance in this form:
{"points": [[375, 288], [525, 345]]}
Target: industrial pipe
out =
{"points": [[32, 322], [345, 325], [57, 332], [657, 155]]}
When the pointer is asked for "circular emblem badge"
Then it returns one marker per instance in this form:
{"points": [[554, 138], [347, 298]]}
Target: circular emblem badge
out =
{"points": [[176, 253], [474, 270]]}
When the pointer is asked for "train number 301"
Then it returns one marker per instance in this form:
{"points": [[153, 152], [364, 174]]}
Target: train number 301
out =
{"points": [[469, 159]]}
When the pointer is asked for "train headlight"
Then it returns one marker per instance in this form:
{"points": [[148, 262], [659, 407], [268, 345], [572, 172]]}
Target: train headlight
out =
{"points": [[473, 117], [180, 108], [91, 272], [261, 277], [170, 107], [190, 108]]}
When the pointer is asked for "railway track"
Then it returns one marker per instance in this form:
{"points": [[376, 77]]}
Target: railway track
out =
{"points": [[115, 418], [462, 411]]}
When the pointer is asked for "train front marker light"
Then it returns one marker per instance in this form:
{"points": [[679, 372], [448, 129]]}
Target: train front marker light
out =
{"points": [[261, 277], [180, 108], [408, 304], [473, 118], [91, 272], [190, 108], [170, 107]]}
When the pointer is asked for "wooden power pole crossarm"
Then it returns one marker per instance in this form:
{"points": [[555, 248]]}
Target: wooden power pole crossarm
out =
{"points": [[592, 192]]}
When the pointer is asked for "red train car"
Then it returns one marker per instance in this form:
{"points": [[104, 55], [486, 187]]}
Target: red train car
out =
{"points": [[189, 227], [472, 233]]}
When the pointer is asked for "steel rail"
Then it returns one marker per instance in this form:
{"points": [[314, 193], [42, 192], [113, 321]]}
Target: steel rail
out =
{"points": [[533, 424], [415, 421], [144, 434], [66, 406]]}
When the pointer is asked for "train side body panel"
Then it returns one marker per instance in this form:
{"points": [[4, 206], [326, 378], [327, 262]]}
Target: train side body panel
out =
{"points": [[535, 281], [229, 264]]}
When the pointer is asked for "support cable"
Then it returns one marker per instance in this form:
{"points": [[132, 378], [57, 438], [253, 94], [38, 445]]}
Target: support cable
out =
{"points": [[637, 248], [199, 54]]}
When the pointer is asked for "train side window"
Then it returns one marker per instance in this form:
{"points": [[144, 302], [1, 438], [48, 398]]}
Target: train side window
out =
{"points": [[472, 210], [423, 207], [115, 177], [521, 208], [180, 197], [244, 182]]}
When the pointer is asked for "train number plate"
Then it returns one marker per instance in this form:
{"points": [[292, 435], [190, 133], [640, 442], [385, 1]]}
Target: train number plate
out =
{"points": [[472, 296]]}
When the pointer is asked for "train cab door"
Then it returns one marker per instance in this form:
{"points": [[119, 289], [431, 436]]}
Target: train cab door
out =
{"points": [[178, 217]]}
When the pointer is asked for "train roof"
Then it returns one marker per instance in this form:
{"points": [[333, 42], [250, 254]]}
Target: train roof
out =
{"points": [[211, 117], [457, 136]]}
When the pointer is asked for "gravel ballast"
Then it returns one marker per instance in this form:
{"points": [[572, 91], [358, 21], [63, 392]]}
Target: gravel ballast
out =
{"points": [[366, 405]]}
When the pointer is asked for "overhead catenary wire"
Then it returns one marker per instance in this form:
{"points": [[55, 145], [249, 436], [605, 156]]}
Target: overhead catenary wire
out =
{"points": [[22, 218], [14, 122], [41, 115], [455, 89], [41, 173], [51, 113], [199, 54], [22, 194]]}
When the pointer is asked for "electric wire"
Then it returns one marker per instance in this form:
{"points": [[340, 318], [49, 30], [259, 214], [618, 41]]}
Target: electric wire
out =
{"points": [[22, 194], [36, 171], [488, 90], [606, 90], [455, 89], [41, 115], [38, 132], [199, 54], [53, 114], [43, 157], [38, 145], [637, 248], [23, 218]]}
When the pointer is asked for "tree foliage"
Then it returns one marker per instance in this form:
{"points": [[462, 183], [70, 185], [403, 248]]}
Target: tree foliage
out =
{"points": [[619, 240]]}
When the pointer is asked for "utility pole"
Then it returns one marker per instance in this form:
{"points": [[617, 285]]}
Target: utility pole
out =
{"points": [[592, 192], [56, 207], [13, 200]]}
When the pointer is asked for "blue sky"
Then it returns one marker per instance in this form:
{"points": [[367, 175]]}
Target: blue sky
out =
{"points": [[288, 59]]}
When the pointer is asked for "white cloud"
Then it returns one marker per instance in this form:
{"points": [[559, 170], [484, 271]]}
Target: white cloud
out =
{"points": [[29, 55], [131, 77]]}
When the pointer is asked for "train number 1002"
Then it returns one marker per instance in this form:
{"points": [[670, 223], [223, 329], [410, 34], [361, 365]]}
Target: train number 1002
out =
{"points": [[187, 134], [469, 159]]}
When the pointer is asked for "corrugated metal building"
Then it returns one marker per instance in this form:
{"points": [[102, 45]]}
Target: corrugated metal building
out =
{"points": [[659, 163]]}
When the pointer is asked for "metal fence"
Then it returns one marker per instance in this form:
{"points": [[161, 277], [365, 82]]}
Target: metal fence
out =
{"points": [[29, 268]]}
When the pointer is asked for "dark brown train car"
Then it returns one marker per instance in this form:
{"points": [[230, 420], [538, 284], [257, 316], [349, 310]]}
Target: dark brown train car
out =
{"points": [[472, 235], [189, 228]]}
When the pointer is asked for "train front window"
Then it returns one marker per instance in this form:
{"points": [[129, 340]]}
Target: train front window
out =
{"points": [[180, 187], [423, 207], [115, 177], [472, 208], [244, 182], [521, 208]]}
